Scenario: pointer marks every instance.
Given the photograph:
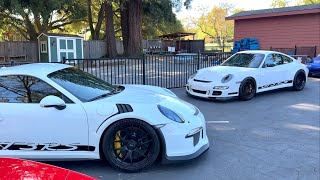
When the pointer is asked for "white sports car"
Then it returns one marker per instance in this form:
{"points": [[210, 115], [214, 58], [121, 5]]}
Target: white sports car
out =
{"points": [[55, 111], [246, 73]]}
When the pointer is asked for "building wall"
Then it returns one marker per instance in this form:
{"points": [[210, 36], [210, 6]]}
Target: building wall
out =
{"points": [[281, 31]]}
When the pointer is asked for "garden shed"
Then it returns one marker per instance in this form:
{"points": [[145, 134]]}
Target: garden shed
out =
{"points": [[55, 47]]}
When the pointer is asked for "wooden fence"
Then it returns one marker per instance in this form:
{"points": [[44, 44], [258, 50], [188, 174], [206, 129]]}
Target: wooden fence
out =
{"points": [[98, 48], [27, 51], [20, 51]]}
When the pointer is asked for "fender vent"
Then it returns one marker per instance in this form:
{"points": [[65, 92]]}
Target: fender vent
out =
{"points": [[124, 108]]}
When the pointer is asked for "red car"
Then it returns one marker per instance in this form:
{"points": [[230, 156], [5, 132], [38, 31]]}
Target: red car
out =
{"points": [[18, 169]]}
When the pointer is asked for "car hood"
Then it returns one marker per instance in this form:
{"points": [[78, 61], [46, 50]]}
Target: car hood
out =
{"points": [[150, 95], [218, 72]]}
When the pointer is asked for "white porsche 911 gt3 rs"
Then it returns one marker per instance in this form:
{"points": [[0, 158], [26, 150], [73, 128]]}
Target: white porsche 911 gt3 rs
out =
{"points": [[246, 73], [55, 111]]}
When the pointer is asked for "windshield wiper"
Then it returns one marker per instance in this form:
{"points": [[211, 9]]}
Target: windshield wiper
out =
{"points": [[100, 97]]}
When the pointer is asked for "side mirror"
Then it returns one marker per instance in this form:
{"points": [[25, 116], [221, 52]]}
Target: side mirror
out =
{"points": [[53, 102]]}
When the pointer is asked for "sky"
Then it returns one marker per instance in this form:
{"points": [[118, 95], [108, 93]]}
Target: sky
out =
{"points": [[238, 4]]}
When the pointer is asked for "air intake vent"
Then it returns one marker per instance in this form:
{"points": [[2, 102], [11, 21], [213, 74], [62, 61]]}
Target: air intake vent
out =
{"points": [[124, 108]]}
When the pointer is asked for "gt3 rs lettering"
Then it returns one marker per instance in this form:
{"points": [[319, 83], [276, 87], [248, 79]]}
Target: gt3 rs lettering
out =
{"points": [[275, 84], [44, 147]]}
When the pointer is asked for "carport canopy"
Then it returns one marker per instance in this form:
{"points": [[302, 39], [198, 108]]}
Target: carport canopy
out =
{"points": [[176, 35]]}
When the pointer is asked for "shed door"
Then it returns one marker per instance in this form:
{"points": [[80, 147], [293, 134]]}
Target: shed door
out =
{"points": [[67, 49]]}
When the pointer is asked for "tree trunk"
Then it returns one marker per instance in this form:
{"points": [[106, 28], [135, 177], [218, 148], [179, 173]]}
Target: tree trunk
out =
{"points": [[135, 27], [110, 34], [124, 24], [90, 21]]}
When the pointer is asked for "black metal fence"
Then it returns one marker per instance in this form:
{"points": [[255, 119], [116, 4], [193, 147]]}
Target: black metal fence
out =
{"points": [[309, 51], [169, 71]]}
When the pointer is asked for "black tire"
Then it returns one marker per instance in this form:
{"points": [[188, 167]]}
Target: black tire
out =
{"points": [[130, 145], [247, 89], [299, 81]]}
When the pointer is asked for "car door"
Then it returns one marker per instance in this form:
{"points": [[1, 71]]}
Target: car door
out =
{"points": [[273, 75], [31, 131]]}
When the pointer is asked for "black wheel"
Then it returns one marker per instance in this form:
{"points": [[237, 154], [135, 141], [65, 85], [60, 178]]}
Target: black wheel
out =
{"points": [[131, 145], [299, 81], [247, 90]]}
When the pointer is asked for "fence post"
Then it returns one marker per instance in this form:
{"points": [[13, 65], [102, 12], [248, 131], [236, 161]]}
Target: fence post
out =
{"points": [[63, 60], [12, 63], [198, 63], [223, 48], [295, 50], [143, 69], [315, 51], [270, 48]]}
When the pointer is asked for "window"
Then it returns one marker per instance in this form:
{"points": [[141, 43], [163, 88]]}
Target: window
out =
{"points": [[286, 59], [250, 60], [82, 85], [70, 44], [26, 89], [43, 47], [273, 60], [62, 44], [67, 49]]}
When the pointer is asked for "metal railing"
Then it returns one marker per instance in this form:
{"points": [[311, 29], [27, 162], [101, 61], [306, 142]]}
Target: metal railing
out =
{"points": [[169, 71], [310, 51]]}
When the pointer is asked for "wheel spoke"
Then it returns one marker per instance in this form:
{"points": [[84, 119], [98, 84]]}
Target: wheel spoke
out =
{"points": [[140, 153], [146, 142], [144, 136], [128, 156]]}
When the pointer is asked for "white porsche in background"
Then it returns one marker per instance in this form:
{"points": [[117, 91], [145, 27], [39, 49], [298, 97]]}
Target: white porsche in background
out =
{"points": [[55, 111], [246, 73]]}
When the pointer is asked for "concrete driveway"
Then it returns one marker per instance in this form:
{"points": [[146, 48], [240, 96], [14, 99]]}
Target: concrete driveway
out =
{"points": [[273, 136]]}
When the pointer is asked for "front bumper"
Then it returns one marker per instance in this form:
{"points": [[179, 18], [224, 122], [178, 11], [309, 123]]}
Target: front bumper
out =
{"points": [[178, 144], [205, 90]]}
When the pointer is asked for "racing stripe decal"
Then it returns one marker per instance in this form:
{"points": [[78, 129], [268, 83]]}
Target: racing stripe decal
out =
{"points": [[275, 84], [44, 147]]}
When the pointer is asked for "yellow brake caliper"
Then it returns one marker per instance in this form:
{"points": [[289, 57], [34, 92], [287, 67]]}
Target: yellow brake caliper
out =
{"points": [[117, 143]]}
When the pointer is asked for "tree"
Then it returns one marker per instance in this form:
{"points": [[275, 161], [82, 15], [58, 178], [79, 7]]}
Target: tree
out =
{"points": [[279, 3], [158, 18], [99, 8], [214, 25], [110, 33], [32, 17], [131, 23], [306, 2]]}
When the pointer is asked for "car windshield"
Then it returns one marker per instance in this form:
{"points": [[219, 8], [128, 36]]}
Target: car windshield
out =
{"points": [[82, 85], [249, 60]]}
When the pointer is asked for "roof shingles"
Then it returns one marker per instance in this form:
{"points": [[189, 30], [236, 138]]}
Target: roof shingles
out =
{"points": [[274, 10]]}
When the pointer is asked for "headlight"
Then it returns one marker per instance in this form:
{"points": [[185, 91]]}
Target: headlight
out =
{"points": [[193, 75], [227, 78], [170, 114]]}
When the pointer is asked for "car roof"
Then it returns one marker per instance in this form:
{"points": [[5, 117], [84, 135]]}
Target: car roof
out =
{"points": [[34, 69], [260, 51]]}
